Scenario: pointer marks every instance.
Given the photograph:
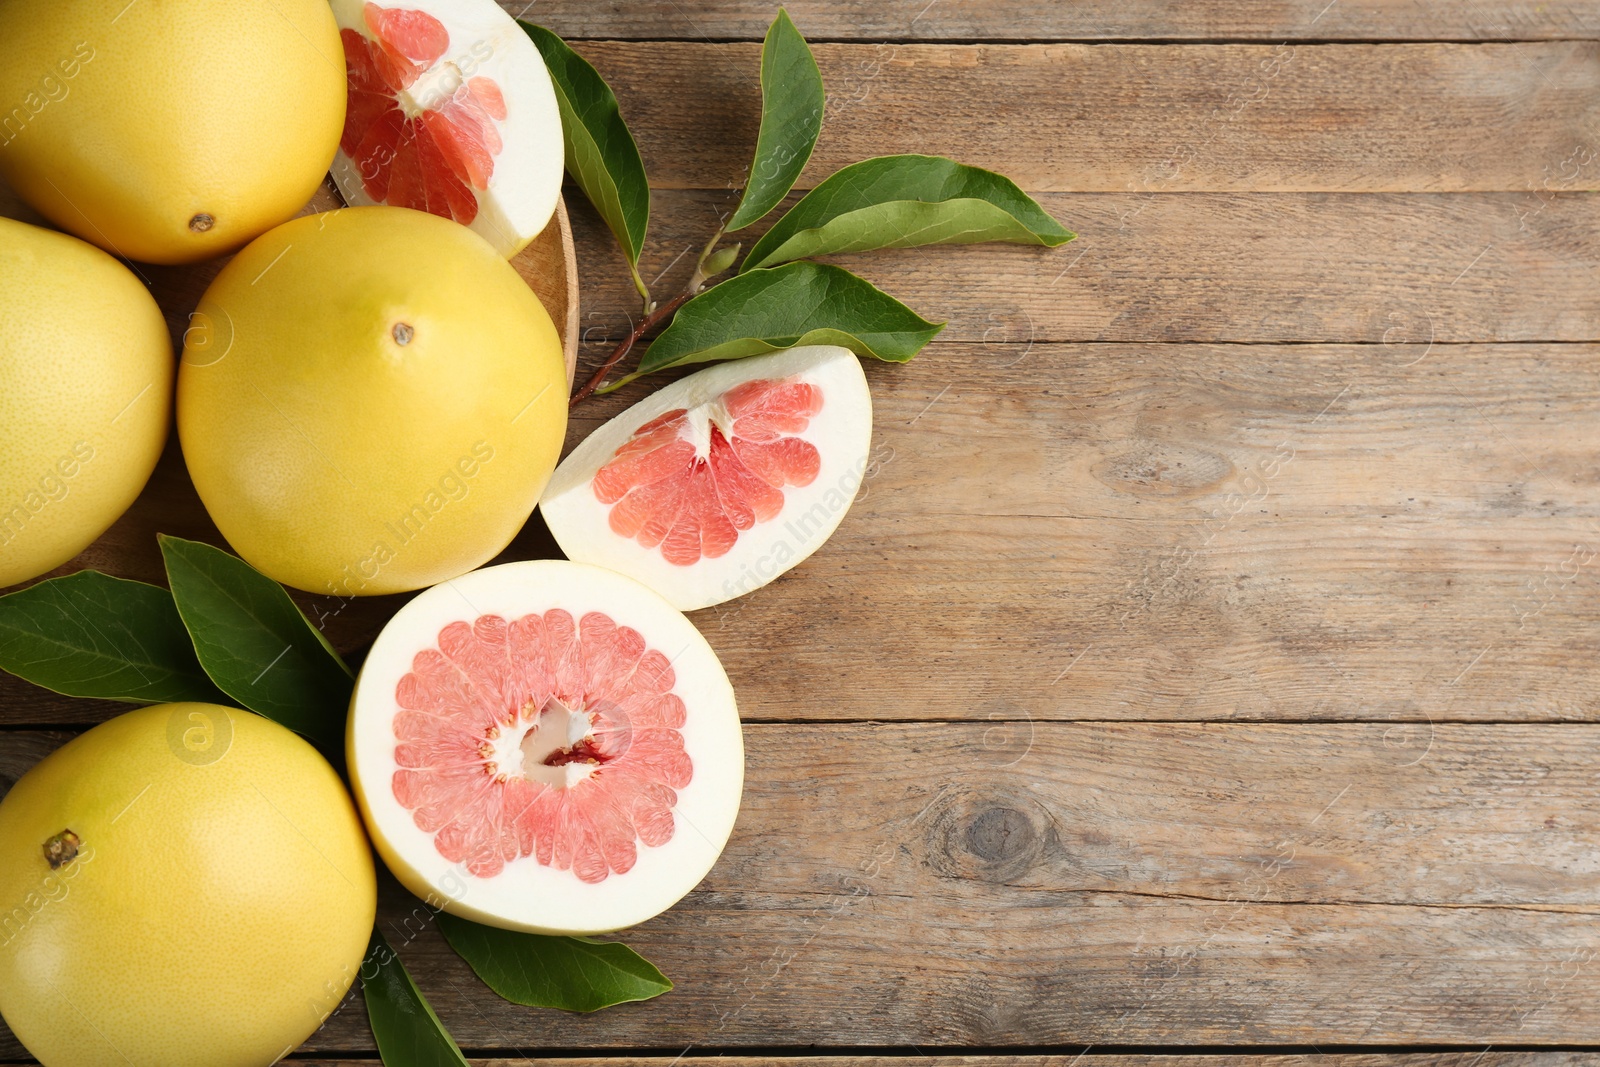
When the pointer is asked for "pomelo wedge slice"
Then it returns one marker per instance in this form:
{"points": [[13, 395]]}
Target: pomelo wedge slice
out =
{"points": [[720, 482], [450, 111], [545, 746]]}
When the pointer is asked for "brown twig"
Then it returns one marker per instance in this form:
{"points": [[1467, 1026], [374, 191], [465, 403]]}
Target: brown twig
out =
{"points": [[649, 322]]}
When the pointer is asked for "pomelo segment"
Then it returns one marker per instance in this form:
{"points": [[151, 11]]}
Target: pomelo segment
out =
{"points": [[451, 111], [720, 482], [546, 746]]}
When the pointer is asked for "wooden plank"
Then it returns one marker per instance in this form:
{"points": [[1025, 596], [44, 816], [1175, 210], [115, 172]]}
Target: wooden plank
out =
{"points": [[1074, 117], [1463, 815], [1113, 884], [1086, 20], [1467, 1058], [1150, 532], [1206, 267], [1130, 534]]}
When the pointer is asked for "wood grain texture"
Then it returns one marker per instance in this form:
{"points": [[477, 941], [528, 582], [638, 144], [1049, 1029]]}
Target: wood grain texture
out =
{"points": [[1484, 1058], [1149, 532], [933, 885], [1293, 267], [1088, 20], [1168, 118]]}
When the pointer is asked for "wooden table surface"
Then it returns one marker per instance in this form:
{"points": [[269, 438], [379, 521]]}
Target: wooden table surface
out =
{"points": [[1209, 663]]}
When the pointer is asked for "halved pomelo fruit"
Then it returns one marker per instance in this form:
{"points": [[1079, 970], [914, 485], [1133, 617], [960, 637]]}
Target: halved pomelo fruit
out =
{"points": [[451, 111], [722, 481], [546, 746]]}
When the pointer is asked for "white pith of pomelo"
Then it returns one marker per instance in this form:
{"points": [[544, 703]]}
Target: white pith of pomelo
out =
{"points": [[546, 746], [715, 485], [451, 111]]}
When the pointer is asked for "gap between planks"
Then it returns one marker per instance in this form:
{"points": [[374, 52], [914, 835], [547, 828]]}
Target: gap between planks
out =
{"points": [[1324, 1055], [1194, 21]]}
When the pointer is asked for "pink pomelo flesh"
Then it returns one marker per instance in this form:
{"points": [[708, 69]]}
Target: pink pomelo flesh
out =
{"points": [[545, 736], [721, 481], [436, 158], [450, 111], [545, 746], [664, 492]]}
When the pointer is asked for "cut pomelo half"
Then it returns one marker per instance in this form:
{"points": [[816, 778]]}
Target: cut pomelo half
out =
{"points": [[546, 746], [450, 111], [720, 482]]}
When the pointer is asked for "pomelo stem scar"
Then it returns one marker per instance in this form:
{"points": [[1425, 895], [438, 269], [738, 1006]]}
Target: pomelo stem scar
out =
{"points": [[61, 849]]}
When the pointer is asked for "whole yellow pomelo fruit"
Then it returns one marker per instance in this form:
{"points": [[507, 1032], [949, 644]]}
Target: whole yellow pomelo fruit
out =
{"points": [[169, 131], [370, 401], [85, 394], [184, 884]]}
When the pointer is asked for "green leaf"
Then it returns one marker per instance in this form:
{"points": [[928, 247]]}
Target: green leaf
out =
{"points": [[601, 154], [902, 202], [792, 101], [796, 304], [408, 1032], [91, 635], [570, 973], [256, 645]]}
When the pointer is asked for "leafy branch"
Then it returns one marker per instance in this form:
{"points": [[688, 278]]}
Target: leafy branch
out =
{"points": [[777, 298]]}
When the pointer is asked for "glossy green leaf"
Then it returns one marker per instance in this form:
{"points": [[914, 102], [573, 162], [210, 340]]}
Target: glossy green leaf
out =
{"points": [[408, 1032], [91, 635], [901, 202], [792, 101], [256, 645], [570, 973], [796, 304], [601, 154]]}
